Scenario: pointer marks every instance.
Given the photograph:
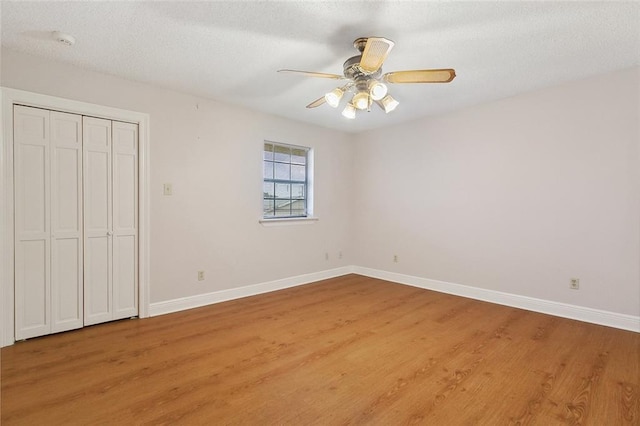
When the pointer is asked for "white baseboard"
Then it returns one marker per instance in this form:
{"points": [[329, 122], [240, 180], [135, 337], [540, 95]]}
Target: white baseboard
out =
{"points": [[595, 316], [175, 305], [564, 310]]}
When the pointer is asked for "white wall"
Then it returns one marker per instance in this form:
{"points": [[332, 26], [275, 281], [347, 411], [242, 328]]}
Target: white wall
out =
{"points": [[516, 196], [212, 154]]}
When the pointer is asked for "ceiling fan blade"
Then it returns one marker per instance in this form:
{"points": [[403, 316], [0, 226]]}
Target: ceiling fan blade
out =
{"points": [[374, 54], [420, 76], [315, 74], [316, 103]]}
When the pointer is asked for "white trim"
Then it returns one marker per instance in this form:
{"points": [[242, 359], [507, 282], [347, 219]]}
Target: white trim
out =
{"points": [[283, 221], [169, 306], [9, 97], [580, 313]]}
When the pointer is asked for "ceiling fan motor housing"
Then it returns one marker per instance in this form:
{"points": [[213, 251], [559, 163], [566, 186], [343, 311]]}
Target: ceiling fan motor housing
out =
{"points": [[360, 43], [353, 71]]}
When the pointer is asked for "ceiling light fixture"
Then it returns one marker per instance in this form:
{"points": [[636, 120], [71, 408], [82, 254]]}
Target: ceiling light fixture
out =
{"points": [[367, 93], [361, 100], [349, 111], [333, 97], [377, 90], [389, 104]]}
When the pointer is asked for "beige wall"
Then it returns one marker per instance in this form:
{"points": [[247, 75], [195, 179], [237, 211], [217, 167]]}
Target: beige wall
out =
{"points": [[516, 196], [212, 154]]}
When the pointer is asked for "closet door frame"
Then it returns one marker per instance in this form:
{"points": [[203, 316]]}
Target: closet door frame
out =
{"points": [[11, 97]]}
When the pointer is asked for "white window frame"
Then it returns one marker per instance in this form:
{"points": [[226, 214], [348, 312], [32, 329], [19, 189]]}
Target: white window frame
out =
{"points": [[309, 217]]}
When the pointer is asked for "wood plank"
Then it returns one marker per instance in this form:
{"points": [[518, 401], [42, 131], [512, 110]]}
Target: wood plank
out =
{"points": [[350, 350]]}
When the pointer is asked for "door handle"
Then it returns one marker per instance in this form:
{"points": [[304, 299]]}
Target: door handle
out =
{"points": [[109, 233]]}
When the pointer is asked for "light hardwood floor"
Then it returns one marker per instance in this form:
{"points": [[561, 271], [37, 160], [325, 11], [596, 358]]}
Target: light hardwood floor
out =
{"points": [[349, 350]]}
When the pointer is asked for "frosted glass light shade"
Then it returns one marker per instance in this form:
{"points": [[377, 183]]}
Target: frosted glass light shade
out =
{"points": [[333, 97], [349, 111], [389, 103], [361, 100], [377, 90]]}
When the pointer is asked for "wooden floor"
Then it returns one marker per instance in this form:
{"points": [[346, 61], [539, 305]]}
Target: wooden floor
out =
{"points": [[350, 350]]}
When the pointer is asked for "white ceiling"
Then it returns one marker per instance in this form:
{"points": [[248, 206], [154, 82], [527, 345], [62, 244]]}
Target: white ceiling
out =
{"points": [[230, 50]]}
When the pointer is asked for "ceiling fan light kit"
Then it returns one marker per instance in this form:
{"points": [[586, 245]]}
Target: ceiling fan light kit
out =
{"points": [[361, 100], [366, 81], [349, 111], [389, 104], [377, 90], [334, 96]]}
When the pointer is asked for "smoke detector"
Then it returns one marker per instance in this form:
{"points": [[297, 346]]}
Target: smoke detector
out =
{"points": [[64, 38]]}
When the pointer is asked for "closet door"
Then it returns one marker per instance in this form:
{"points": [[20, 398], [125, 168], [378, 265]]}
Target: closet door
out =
{"points": [[125, 220], [48, 221], [66, 221], [32, 221], [76, 221], [98, 226]]}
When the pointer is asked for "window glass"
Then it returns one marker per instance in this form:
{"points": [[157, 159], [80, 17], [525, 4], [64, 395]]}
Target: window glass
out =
{"points": [[285, 180], [298, 173], [267, 171], [283, 171]]}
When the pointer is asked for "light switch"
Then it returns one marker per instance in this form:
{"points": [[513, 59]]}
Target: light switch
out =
{"points": [[168, 189]]}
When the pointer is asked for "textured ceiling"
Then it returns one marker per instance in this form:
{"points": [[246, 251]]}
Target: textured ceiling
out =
{"points": [[230, 51]]}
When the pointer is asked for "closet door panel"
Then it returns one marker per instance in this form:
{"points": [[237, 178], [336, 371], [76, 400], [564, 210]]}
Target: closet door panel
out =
{"points": [[98, 200], [32, 289], [124, 278], [32, 206], [97, 291], [66, 191], [98, 280], [125, 222], [66, 284], [125, 219], [32, 170], [125, 195], [66, 222]]}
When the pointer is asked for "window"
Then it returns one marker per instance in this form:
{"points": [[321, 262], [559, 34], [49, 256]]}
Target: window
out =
{"points": [[286, 172]]}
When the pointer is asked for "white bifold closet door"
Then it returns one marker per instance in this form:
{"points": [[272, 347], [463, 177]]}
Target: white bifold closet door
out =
{"points": [[76, 221], [110, 216], [48, 221]]}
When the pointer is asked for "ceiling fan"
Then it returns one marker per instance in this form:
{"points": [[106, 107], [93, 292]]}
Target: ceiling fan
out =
{"points": [[364, 78]]}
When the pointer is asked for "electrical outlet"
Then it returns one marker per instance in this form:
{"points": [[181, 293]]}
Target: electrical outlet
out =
{"points": [[395, 258], [200, 275], [167, 189], [574, 284]]}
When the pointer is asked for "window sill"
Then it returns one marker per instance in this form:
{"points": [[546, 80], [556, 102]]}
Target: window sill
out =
{"points": [[288, 221]]}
